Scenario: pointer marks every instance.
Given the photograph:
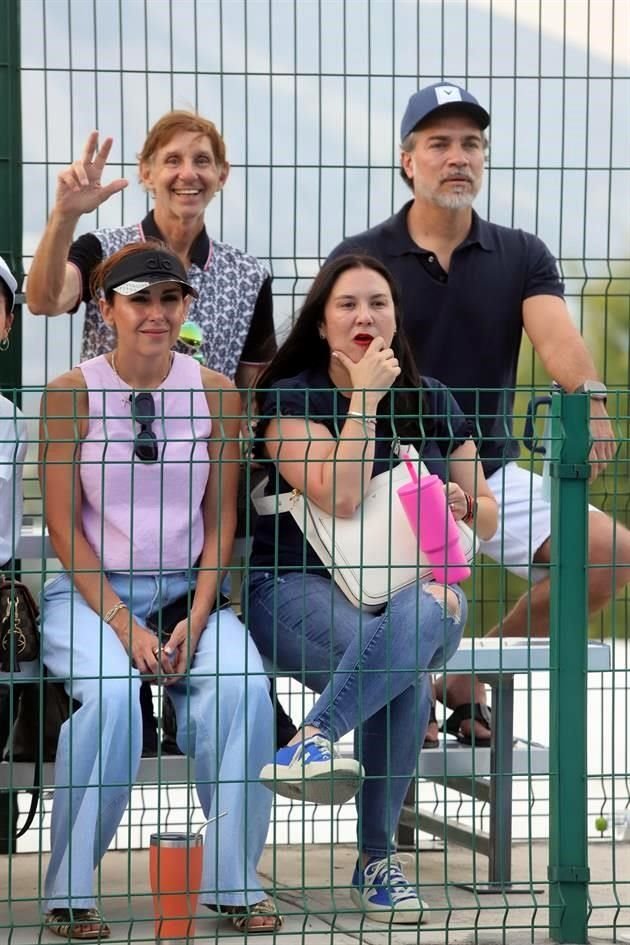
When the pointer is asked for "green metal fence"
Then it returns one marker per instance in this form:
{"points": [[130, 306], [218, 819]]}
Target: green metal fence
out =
{"points": [[308, 96], [493, 870]]}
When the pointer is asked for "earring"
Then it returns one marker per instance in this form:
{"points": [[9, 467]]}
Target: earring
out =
{"points": [[322, 335], [4, 344]]}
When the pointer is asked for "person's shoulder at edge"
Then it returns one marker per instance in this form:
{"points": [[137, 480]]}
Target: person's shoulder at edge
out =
{"points": [[65, 386], [68, 381], [304, 394], [214, 380], [370, 240], [307, 379], [508, 234], [441, 399], [13, 425], [8, 409]]}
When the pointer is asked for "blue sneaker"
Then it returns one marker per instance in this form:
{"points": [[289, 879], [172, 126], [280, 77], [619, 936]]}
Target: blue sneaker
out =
{"points": [[313, 771], [382, 891]]}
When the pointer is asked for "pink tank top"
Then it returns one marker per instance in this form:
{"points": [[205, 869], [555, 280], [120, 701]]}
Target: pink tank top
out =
{"points": [[145, 516]]}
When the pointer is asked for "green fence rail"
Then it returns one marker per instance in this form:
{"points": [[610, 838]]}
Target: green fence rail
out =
{"points": [[493, 808], [309, 97]]}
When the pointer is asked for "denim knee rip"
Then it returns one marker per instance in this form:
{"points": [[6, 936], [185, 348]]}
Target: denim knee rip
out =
{"points": [[444, 595]]}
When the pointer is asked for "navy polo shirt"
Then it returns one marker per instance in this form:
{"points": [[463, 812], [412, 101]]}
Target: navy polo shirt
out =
{"points": [[465, 326]]}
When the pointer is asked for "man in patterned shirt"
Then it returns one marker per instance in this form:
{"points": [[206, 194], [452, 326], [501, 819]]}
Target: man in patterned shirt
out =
{"points": [[183, 166]]}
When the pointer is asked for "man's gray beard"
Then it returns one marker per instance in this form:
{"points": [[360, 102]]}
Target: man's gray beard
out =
{"points": [[454, 201], [449, 201]]}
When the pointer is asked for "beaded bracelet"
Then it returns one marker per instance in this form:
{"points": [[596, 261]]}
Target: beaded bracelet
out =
{"points": [[111, 613], [471, 508]]}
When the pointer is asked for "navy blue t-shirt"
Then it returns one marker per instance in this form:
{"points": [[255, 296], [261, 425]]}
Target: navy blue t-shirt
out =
{"points": [[465, 326], [440, 429]]}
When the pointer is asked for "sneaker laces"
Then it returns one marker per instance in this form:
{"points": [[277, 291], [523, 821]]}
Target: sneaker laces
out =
{"points": [[322, 744], [388, 872]]}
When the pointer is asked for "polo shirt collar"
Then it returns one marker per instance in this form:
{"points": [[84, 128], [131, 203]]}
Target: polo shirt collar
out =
{"points": [[479, 233], [400, 242], [199, 251]]}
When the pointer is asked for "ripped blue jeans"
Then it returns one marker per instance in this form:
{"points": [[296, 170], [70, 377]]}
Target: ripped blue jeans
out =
{"points": [[372, 672]]}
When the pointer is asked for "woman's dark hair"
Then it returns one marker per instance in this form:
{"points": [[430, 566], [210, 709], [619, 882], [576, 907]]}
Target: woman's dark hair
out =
{"points": [[304, 348], [7, 295]]}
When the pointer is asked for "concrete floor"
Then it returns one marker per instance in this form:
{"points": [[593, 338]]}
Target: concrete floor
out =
{"points": [[455, 917]]}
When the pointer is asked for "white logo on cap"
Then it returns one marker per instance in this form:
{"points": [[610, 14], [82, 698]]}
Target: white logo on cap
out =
{"points": [[447, 93]]}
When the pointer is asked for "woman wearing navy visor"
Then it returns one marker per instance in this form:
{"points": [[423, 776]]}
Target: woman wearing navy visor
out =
{"points": [[140, 452], [183, 165]]}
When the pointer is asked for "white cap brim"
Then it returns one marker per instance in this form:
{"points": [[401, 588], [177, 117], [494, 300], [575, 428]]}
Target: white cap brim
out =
{"points": [[9, 279], [131, 287]]}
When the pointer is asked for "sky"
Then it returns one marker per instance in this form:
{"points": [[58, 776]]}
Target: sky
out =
{"points": [[309, 96]]}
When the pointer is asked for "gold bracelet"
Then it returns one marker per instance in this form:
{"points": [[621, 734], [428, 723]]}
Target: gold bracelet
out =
{"points": [[111, 613]]}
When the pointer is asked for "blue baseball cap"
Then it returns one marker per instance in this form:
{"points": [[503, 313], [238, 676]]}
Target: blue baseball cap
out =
{"points": [[442, 95], [9, 280]]}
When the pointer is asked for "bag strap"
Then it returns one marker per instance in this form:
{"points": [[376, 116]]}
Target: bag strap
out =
{"points": [[35, 793], [271, 504], [36, 790]]}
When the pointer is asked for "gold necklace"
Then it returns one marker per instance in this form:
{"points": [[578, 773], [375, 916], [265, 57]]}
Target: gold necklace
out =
{"points": [[127, 399]]}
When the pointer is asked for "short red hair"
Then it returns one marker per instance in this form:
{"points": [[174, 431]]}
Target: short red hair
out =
{"points": [[166, 127]]}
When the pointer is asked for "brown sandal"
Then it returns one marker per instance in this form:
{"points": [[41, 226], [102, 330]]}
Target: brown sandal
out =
{"points": [[243, 918], [77, 923]]}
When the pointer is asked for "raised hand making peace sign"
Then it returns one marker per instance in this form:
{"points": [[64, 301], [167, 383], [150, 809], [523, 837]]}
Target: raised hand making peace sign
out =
{"points": [[79, 187]]}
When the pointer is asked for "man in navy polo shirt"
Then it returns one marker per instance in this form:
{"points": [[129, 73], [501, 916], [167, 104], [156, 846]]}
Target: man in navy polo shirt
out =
{"points": [[469, 288]]}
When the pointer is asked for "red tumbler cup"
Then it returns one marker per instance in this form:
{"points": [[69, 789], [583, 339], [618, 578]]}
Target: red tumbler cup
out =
{"points": [[175, 866], [428, 514]]}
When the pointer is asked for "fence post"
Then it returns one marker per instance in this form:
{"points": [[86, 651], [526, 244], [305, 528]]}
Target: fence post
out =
{"points": [[11, 175], [568, 849]]}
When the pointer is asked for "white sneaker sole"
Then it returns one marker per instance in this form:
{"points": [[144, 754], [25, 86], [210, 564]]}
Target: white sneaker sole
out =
{"points": [[402, 915], [323, 785]]}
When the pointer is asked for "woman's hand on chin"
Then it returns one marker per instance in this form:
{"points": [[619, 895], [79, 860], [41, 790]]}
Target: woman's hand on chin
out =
{"points": [[377, 370]]}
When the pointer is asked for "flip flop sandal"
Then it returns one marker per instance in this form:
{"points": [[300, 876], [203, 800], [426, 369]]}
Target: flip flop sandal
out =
{"points": [[77, 923], [479, 712], [431, 742], [241, 917]]}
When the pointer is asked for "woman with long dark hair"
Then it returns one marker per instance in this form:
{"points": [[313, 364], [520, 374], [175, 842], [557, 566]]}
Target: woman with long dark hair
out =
{"points": [[336, 400]]}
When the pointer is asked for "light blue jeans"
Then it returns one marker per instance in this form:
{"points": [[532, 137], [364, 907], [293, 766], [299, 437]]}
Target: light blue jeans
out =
{"points": [[225, 722], [373, 673]]}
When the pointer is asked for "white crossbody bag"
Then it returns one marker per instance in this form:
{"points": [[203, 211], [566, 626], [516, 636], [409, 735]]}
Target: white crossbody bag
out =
{"points": [[373, 554]]}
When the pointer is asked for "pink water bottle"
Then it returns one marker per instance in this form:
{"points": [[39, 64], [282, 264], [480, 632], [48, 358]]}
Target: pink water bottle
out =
{"points": [[431, 520]]}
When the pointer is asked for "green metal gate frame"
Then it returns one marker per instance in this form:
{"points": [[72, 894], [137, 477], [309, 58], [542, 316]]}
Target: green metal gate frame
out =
{"points": [[11, 175], [568, 870], [568, 855]]}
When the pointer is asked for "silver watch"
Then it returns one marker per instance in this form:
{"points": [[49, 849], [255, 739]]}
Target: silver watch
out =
{"points": [[596, 389]]}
